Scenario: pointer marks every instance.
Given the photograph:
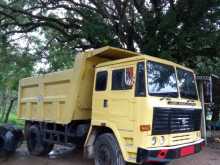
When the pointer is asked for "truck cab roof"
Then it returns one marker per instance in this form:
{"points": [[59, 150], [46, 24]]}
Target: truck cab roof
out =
{"points": [[117, 55]]}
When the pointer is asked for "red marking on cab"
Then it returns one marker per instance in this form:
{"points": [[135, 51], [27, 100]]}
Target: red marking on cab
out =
{"points": [[187, 151]]}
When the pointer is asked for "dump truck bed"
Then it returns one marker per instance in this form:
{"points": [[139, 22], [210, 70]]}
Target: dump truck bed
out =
{"points": [[55, 97], [62, 97]]}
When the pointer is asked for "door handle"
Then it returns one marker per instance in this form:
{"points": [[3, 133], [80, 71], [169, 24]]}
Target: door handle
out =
{"points": [[105, 103]]}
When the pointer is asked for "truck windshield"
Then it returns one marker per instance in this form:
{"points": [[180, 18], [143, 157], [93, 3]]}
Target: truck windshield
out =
{"points": [[161, 80], [187, 84]]}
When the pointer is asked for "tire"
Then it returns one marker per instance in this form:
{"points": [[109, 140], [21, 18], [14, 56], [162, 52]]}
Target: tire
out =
{"points": [[2, 141], [107, 151], [35, 143], [3, 131], [10, 139]]}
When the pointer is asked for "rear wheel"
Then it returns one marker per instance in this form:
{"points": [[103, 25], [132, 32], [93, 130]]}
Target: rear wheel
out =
{"points": [[107, 151], [35, 143]]}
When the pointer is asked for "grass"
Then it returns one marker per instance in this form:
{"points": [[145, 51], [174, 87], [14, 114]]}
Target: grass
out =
{"points": [[14, 120]]}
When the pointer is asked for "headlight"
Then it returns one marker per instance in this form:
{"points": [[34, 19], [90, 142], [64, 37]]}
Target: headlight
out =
{"points": [[162, 140], [154, 140]]}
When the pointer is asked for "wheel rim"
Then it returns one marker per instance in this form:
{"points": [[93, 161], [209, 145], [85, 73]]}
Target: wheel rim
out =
{"points": [[104, 156]]}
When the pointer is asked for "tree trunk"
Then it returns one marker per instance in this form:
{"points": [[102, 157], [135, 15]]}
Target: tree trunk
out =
{"points": [[9, 110], [3, 109]]}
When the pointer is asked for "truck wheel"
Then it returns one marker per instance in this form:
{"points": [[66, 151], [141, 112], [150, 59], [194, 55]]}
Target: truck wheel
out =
{"points": [[35, 143], [107, 151]]}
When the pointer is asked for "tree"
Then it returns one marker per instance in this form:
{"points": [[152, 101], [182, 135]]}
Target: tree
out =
{"points": [[14, 64], [183, 30], [53, 31]]}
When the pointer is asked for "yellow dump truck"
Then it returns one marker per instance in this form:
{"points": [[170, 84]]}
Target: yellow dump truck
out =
{"points": [[120, 105]]}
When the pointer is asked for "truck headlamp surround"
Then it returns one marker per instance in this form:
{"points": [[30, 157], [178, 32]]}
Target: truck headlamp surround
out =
{"points": [[162, 140], [154, 140]]}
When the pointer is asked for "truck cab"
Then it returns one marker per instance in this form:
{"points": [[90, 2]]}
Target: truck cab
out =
{"points": [[152, 107]]}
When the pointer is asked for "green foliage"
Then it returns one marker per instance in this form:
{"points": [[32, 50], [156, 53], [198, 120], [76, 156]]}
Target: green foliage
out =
{"points": [[97, 30], [13, 119], [14, 65], [60, 57], [184, 31]]}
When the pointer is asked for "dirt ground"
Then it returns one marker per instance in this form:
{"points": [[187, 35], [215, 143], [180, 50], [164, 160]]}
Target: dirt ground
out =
{"points": [[63, 156]]}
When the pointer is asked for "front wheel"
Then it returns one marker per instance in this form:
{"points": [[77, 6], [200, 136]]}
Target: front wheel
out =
{"points": [[35, 143], [107, 151]]}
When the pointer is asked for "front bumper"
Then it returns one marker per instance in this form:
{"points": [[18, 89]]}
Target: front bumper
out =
{"points": [[166, 154]]}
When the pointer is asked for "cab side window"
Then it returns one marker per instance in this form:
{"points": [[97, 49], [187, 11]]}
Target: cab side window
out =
{"points": [[120, 81], [101, 81], [140, 89]]}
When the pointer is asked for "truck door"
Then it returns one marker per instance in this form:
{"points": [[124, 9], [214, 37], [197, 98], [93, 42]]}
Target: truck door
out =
{"points": [[121, 97], [100, 97], [113, 97]]}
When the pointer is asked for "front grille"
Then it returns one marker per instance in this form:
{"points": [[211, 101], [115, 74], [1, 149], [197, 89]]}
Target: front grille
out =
{"points": [[175, 120]]}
